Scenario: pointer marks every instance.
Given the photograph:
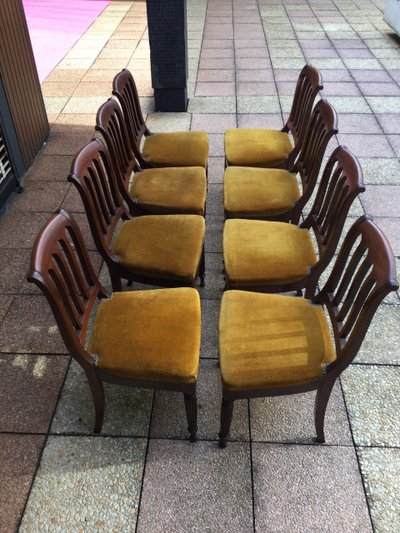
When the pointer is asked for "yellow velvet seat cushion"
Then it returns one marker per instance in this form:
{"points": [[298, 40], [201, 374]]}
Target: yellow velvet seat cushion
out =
{"points": [[171, 190], [149, 335], [252, 147], [269, 340], [177, 149], [258, 192], [258, 252], [167, 246]]}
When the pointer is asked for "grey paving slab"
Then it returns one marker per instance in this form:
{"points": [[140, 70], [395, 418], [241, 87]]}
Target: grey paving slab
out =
{"points": [[215, 199], [381, 472], [216, 166], [19, 455], [214, 228], [169, 121], [127, 410], [371, 395], [86, 483], [215, 281], [380, 170], [196, 487], [169, 420], [258, 104], [212, 104], [209, 328], [290, 419], [289, 482], [382, 200]]}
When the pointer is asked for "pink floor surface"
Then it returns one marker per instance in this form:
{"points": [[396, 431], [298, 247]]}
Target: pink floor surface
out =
{"points": [[56, 25]]}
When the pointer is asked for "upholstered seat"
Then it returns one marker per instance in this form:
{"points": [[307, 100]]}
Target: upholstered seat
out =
{"points": [[149, 335], [170, 190], [258, 252], [256, 147], [258, 192], [268, 340], [176, 149], [167, 246]]}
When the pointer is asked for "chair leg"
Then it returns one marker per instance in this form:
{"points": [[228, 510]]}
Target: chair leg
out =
{"points": [[115, 282], [202, 268], [191, 415], [96, 386], [226, 419], [321, 402]]}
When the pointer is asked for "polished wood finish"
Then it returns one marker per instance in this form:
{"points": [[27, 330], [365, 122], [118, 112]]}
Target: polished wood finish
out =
{"points": [[62, 269], [93, 175], [20, 80], [363, 274], [341, 183]]}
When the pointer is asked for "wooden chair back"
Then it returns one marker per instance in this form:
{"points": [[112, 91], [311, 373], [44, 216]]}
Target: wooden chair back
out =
{"points": [[308, 85], [363, 275], [341, 183], [111, 124], [93, 175], [124, 89], [62, 269], [322, 127]]}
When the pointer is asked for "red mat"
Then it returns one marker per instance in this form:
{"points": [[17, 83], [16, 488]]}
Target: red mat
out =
{"points": [[56, 25]]}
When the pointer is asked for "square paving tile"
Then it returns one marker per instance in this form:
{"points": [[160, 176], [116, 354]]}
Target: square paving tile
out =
{"points": [[215, 89], [289, 482], [371, 76], [258, 104], [215, 281], [390, 227], [213, 123], [353, 123], [390, 122], [212, 104], [29, 327], [256, 88], [214, 228], [14, 267], [209, 328], [366, 145], [395, 142], [209, 75], [215, 199], [381, 472], [349, 104], [216, 169], [19, 455], [169, 420], [50, 167], [215, 485], [19, 229], [375, 349], [127, 410], [380, 171], [384, 104], [373, 403], [30, 386], [216, 145], [290, 419], [255, 75], [379, 89], [260, 120], [41, 196], [86, 483], [340, 89], [382, 200]]}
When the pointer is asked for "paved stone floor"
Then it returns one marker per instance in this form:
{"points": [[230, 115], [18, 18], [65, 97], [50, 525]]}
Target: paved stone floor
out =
{"points": [[140, 474]]}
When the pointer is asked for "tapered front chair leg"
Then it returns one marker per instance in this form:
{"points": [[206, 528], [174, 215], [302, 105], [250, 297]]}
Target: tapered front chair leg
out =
{"points": [[226, 419], [191, 415], [321, 402], [96, 386], [115, 281]]}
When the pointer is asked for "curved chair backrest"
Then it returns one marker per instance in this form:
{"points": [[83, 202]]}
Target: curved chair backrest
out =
{"points": [[322, 127], [341, 183], [111, 124], [92, 174], [62, 269], [308, 85], [363, 275], [124, 89]]}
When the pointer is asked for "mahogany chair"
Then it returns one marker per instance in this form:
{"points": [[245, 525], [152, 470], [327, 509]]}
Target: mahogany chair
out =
{"points": [[171, 149], [273, 194], [253, 147], [144, 339], [166, 190], [269, 256], [162, 250], [274, 345]]}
